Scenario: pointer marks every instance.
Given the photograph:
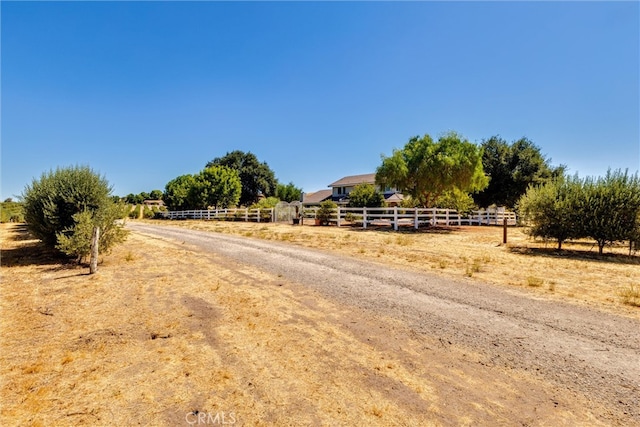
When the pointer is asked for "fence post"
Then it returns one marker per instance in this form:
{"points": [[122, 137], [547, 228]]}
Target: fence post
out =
{"points": [[338, 219], [395, 218], [504, 231], [415, 218], [273, 214], [364, 217]]}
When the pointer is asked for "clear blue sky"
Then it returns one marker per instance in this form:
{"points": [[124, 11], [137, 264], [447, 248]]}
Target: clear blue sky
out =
{"points": [[146, 91]]}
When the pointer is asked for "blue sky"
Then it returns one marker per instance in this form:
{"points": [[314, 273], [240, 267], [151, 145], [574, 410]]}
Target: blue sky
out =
{"points": [[146, 91]]}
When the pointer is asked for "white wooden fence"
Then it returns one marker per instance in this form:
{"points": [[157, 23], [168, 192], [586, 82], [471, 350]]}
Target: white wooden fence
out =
{"points": [[391, 216], [241, 214], [415, 217]]}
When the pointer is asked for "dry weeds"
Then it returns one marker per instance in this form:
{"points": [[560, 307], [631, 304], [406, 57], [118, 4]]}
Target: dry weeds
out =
{"points": [[162, 332]]}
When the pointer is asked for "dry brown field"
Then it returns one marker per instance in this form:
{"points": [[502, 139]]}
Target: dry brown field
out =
{"points": [[162, 334]]}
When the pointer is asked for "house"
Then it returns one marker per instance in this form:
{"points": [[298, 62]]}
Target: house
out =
{"points": [[340, 190], [153, 203], [310, 199]]}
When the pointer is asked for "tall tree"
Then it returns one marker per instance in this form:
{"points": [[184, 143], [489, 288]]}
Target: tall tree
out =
{"points": [[256, 178], [179, 193], [512, 168], [288, 193], [425, 169], [218, 186]]}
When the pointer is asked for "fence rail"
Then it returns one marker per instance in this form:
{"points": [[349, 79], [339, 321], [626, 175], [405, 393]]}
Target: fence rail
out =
{"points": [[256, 215], [391, 216]]}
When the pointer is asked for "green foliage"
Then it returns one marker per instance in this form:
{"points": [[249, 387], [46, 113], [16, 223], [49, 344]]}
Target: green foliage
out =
{"points": [[611, 205], [288, 193], [326, 211], [425, 169], [365, 195], [155, 195], [512, 168], [51, 202], [266, 203], [256, 178], [455, 199], [218, 186], [11, 211], [180, 193], [75, 241], [63, 206], [553, 210], [606, 209]]}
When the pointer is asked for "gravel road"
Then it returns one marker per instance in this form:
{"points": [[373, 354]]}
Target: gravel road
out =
{"points": [[578, 348]]}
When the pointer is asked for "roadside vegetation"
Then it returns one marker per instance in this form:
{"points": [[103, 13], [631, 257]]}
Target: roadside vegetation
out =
{"points": [[63, 207]]}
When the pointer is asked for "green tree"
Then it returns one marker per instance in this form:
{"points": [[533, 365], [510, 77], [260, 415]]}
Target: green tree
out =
{"points": [[365, 195], [256, 178], [425, 169], [512, 168], [75, 241], [180, 193], [288, 193], [610, 208], [155, 195], [218, 186], [553, 210], [53, 202], [455, 199]]}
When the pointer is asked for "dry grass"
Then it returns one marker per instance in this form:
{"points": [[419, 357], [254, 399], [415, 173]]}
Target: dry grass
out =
{"points": [[161, 332], [576, 274]]}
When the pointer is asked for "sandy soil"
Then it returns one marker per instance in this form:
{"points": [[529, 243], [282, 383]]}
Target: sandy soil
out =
{"points": [[170, 332]]}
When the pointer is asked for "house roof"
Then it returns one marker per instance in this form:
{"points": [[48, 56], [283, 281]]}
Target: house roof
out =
{"points": [[395, 198], [347, 181], [317, 197]]}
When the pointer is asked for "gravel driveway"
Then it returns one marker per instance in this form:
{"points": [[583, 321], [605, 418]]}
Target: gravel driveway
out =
{"points": [[580, 349]]}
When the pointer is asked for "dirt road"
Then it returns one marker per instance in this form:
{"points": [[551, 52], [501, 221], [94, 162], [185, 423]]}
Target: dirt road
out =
{"points": [[534, 359]]}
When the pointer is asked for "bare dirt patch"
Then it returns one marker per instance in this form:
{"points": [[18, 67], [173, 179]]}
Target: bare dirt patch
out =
{"points": [[164, 331]]}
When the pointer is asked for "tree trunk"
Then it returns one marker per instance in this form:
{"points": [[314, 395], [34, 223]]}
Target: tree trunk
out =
{"points": [[93, 264]]}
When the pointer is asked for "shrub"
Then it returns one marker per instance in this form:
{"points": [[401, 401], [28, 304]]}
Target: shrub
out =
{"points": [[365, 195], [326, 211], [67, 201], [76, 241]]}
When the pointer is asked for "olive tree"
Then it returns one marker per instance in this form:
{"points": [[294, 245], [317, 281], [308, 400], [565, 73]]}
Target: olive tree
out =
{"points": [[59, 205]]}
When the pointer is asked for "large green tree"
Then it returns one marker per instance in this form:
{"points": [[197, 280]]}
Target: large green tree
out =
{"points": [[218, 186], [180, 193], [425, 169], [256, 177], [512, 168]]}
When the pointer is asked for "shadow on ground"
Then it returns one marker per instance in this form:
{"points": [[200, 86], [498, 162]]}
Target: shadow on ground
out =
{"points": [[577, 255], [32, 253]]}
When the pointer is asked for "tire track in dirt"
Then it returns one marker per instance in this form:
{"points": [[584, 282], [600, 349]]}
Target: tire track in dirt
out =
{"points": [[579, 349]]}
